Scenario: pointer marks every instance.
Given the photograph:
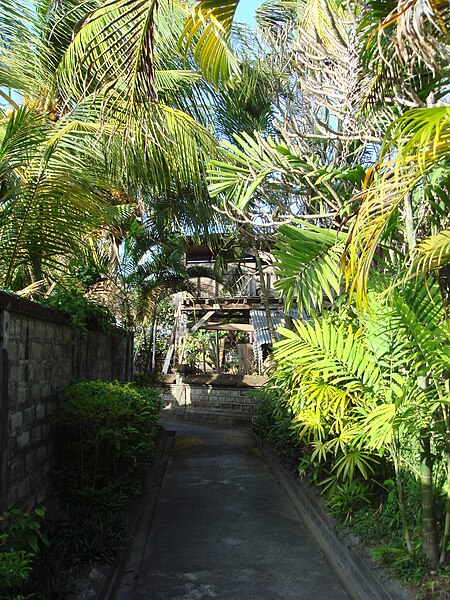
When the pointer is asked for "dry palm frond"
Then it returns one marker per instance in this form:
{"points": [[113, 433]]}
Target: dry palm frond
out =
{"points": [[420, 140]]}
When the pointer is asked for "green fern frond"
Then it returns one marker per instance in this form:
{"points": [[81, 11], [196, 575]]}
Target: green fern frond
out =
{"points": [[333, 354], [308, 264]]}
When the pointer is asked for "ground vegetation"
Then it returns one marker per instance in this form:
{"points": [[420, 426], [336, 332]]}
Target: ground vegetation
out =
{"points": [[108, 432]]}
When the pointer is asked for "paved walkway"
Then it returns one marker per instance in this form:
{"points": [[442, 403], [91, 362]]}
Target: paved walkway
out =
{"points": [[224, 529]]}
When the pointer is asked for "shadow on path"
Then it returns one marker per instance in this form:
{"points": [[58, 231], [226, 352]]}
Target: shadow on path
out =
{"points": [[224, 529]]}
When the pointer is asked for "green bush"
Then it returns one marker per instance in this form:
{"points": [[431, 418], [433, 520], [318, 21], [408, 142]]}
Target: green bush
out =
{"points": [[83, 313], [20, 539], [109, 429], [273, 422]]}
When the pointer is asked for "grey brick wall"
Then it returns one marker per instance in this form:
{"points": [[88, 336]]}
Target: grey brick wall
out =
{"points": [[208, 397], [40, 354]]}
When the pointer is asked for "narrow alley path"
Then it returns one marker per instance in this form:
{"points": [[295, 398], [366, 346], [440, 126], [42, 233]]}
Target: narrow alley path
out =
{"points": [[224, 529]]}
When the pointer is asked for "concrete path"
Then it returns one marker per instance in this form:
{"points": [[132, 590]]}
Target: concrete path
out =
{"points": [[224, 529]]}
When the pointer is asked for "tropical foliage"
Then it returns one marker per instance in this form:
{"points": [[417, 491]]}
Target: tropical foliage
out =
{"points": [[359, 168], [320, 138]]}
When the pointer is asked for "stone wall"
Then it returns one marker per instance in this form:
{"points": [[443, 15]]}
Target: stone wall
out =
{"points": [[40, 354], [209, 398]]}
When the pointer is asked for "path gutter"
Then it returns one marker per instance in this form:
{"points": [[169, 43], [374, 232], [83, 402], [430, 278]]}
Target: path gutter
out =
{"points": [[360, 579], [117, 580]]}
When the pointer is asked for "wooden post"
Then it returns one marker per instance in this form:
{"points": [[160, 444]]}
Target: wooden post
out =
{"points": [[155, 323], [218, 352]]}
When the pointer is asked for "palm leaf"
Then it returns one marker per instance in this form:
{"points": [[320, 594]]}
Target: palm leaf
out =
{"points": [[113, 53], [390, 349], [308, 264], [52, 197], [255, 164], [421, 139], [329, 353], [432, 253], [209, 30], [420, 317]]}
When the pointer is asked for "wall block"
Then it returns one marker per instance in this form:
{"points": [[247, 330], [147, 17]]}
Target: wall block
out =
{"points": [[40, 354]]}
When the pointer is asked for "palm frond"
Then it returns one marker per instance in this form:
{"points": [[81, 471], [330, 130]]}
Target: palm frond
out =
{"points": [[420, 317], [113, 53], [330, 353], [420, 139], [432, 253], [51, 199], [390, 349], [255, 162], [15, 18], [209, 30], [308, 264]]}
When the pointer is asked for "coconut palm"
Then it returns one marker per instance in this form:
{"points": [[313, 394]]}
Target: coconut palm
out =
{"points": [[160, 168]]}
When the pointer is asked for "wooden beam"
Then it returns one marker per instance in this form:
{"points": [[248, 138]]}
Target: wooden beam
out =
{"points": [[229, 327], [202, 321], [170, 349], [222, 307], [169, 355]]}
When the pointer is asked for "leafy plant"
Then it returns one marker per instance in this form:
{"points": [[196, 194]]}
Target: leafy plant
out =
{"points": [[55, 548], [78, 535], [347, 497], [83, 312], [272, 422], [19, 545], [109, 431]]}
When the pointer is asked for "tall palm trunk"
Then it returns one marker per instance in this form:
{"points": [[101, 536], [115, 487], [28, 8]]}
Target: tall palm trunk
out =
{"points": [[429, 536], [446, 536], [429, 533], [401, 498], [446, 419]]}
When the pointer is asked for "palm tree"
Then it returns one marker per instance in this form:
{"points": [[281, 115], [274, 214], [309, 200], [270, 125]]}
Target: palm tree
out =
{"points": [[152, 162], [355, 378]]}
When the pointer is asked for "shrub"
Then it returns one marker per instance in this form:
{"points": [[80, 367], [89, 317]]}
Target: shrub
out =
{"points": [[273, 422], [19, 544], [109, 429], [83, 313]]}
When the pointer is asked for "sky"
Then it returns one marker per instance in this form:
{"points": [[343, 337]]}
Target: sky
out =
{"points": [[246, 11]]}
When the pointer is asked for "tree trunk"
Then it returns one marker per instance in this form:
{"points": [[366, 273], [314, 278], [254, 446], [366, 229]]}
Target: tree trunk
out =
{"points": [[154, 332], [148, 355], [401, 500], [446, 536], [128, 351], [429, 536]]}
